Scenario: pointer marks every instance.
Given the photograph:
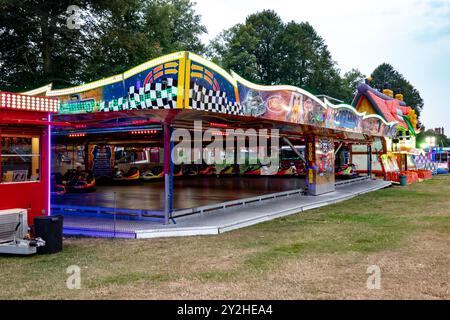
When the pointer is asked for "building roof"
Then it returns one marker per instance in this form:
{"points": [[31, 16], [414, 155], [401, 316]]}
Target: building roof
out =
{"points": [[387, 107]]}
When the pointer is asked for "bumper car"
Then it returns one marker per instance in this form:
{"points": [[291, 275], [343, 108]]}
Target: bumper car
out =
{"points": [[131, 175], [57, 184], [230, 170], [177, 171], [82, 181], [152, 174], [290, 171], [346, 171], [253, 171], [269, 170], [69, 175], [208, 171], [190, 171]]}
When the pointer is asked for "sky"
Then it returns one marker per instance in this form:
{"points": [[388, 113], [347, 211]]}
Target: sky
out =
{"points": [[411, 35]]}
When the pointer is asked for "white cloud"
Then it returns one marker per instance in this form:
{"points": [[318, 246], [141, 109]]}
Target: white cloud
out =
{"points": [[414, 36]]}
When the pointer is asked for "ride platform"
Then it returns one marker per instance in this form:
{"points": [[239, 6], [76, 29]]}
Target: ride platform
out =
{"points": [[220, 218]]}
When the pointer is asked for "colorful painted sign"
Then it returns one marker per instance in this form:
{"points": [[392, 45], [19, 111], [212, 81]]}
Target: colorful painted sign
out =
{"points": [[325, 161], [294, 105], [101, 160], [186, 80], [151, 85]]}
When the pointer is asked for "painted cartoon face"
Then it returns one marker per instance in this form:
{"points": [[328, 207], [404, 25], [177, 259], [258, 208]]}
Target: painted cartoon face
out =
{"points": [[294, 115], [309, 105], [275, 104], [254, 104]]}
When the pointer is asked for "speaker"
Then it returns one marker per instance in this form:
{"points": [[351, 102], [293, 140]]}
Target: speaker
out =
{"points": [[50, 229]]}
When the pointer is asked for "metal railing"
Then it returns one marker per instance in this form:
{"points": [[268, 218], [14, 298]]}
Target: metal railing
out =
{"points": [[235, 203], [107, 218]]}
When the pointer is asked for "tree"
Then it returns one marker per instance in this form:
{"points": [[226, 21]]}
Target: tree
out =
{"points": [[174, 25], [225, 50], [267, 51], [307, 62], [251, 49], [325, 78], [350, 82], [120, 42], [267, 27], [385, 73], [37, 45], [136, 31]]}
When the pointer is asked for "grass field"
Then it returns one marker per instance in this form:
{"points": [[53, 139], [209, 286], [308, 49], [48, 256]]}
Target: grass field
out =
{"points": [[318, 254]]}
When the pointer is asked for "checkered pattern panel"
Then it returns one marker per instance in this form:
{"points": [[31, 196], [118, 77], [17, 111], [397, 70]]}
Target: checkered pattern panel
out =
{"points": [[201, 98], [422, 162], [234, 109], [152, 96]]}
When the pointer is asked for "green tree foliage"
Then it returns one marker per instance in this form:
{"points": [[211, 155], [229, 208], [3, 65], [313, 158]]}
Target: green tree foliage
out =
{"points": [[306, 61], [180, 25], [120, 41], [37, 47], [350, 82], [252, 48], [114, 35], [225, 50], [385, 73], [136, 31], [268, 51], [266, 27]]}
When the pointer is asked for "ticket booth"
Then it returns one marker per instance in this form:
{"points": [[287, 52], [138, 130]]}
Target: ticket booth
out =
{"points": [[25, 127]]}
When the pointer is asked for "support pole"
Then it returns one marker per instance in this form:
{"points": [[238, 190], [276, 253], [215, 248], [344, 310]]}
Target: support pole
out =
{"points": [[320, 166], [338, 148], [369, 160], [311, 176], [289, 143], [168, 173]]}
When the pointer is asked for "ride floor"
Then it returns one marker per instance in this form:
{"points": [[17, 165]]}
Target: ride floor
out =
{"points": [[188, 192]]}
